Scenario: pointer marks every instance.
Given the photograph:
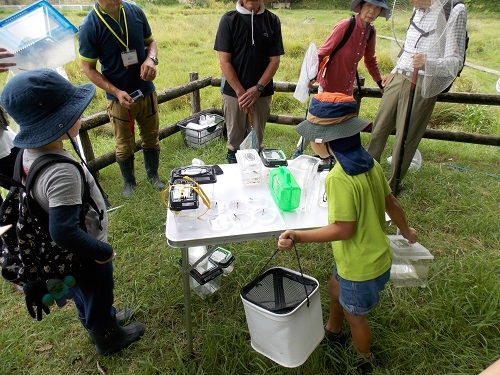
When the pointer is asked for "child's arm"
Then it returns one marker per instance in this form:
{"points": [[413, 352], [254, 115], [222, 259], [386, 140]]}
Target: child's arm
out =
{"points": [[397, 215], [339, 230]]}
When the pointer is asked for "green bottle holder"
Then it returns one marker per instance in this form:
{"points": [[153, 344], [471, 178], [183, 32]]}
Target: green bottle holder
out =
{"points": [[284, 189]]}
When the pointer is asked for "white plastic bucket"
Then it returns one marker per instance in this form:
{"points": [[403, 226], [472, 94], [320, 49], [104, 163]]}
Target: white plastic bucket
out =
{"points": [[287, 339]]}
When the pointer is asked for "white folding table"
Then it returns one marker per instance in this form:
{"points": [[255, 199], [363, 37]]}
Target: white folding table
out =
{"points": [[227, 189]]}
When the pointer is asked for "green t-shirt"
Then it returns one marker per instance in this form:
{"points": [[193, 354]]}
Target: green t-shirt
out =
{"points": [[361, 198]]}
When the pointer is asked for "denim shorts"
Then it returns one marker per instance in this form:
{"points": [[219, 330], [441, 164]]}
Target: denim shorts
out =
{"points": [[360, 297]]}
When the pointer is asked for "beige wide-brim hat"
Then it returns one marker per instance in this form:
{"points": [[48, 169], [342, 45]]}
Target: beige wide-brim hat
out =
{"points": [[386, 11]]}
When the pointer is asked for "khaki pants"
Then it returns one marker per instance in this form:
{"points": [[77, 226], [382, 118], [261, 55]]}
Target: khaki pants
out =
{"points": [[237, 122], [392, 115], [145, 113]]}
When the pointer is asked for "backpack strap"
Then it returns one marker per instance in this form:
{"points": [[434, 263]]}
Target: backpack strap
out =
{"points": [[347, 35], [345, 38], [40, 164], [447, 7], [82, 160], [8, 182]]}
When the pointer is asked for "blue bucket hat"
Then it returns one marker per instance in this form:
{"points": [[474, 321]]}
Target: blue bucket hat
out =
{"points": [[386, 11], [44, 105]]}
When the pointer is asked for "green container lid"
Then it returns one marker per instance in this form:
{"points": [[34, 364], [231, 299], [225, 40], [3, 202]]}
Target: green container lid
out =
{"points": [[284, 189]]}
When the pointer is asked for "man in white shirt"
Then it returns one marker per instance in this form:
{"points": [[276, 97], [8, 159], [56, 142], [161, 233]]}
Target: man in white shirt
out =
{"points": [[439, 54]]}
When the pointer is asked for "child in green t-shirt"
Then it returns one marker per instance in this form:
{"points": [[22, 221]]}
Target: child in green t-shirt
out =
{"points": [[358, 196]]}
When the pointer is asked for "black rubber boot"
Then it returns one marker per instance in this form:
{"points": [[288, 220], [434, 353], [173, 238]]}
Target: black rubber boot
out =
{"points": [[152, 162], [122, 317], [117, 338], [127, 169]]}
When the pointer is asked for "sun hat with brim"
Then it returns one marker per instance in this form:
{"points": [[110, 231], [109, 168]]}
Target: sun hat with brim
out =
{"points": [[44, 105], [331, 116], [385, 12]]}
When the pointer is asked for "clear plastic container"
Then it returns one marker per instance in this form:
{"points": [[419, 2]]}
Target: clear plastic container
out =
{"points": [[304, 169], [39, 36], [410, 265], [186, 219], [216, 208], [250, 165], [264, 215], [219, 223], [224, 259]]}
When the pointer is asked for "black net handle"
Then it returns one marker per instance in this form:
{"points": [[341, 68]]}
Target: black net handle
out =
{"points": [[300, 267]]}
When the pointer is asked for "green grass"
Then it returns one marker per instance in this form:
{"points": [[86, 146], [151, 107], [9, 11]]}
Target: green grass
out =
{"points": [[450, 327]]}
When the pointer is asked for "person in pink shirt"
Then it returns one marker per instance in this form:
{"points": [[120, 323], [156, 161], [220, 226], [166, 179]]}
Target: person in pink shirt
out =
{"points": [[341, 69], [339, 62]]}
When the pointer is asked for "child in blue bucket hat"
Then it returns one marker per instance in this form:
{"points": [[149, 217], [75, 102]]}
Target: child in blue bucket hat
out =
{"points": [[48, 110], [358, 196]]}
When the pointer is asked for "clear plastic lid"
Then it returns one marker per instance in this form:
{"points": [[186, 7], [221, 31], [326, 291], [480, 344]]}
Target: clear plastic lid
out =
{"points": [[242, 220], [220, 222], [237, 206], [264, 215]]}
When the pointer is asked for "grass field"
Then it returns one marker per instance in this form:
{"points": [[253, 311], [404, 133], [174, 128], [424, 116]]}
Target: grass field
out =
{"points": [[450, 327]]}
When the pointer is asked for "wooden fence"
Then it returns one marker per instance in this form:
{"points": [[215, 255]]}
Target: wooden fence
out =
{"points": [[194, 86]]}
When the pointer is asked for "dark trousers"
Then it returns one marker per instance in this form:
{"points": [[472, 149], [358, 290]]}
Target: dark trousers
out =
{"points": [[94, 295]]}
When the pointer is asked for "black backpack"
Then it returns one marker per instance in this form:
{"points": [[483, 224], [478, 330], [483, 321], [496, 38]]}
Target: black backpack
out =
{"points": [[447, 7], [28, 252]]}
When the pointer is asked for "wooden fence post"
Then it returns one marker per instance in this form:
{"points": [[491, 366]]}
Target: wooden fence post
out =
{"points": [[195, 95]]}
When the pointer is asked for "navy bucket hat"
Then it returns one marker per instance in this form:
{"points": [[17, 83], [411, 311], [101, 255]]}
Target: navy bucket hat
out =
{"points": [[386, 11], [44, 105]]}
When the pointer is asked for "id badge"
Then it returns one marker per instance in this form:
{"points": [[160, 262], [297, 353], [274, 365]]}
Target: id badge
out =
{"points": [[129, 57]]}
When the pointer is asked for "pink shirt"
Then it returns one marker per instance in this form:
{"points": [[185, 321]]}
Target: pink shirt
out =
{"points": [[341, 72]]}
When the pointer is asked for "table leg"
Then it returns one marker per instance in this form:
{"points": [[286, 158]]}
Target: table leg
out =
{"points": [[187, 299]]}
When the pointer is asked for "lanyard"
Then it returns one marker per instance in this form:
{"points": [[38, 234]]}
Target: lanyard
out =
{"points": [[111, 30]]}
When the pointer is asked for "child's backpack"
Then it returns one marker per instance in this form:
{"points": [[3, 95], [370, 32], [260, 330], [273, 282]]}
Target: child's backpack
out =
{"points": [[28, 252]]}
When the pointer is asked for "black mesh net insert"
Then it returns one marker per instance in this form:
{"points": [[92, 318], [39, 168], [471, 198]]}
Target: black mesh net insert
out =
{"points": [[278, 290]]}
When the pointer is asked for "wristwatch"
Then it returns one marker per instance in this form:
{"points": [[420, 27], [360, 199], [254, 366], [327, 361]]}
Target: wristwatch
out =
{"points": [[260, 88], [155, 59]]}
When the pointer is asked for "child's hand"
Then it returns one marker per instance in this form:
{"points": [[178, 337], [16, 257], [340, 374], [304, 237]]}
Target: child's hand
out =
{"points": [[410, 235], [286, 240]]}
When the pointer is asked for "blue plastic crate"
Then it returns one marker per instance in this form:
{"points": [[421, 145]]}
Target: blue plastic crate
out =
{"points": [[39, 36]]}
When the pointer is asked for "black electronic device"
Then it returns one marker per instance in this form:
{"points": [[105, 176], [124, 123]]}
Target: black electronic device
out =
{"points": [[203, 277], [183, 196], [136, 95], [273, 157], [204, 174]]}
